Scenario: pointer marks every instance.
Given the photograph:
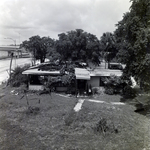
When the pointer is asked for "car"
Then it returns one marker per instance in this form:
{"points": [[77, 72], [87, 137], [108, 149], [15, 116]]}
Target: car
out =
{"points": [[115, 66]]}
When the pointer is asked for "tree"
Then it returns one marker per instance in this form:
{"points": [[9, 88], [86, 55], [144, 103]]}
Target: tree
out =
{"points": [[52, 54], [133, 40], [63, 46], [93, 51], [78, 45], [108, 46], [38, 46], [45, 44]]}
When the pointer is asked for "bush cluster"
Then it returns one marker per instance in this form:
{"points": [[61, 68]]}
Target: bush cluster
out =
{"points": [[129, 92], [17, 78], [118, 85], [113, 85]]}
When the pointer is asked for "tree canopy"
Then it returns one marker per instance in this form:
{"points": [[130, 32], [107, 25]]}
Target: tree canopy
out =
{"points": [[75, 45], [108, 46], [78, 45], [133, 41], [38, 46]]}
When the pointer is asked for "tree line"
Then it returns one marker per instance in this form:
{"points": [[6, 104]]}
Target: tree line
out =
{"points": [[128, 44], [75, 45]]}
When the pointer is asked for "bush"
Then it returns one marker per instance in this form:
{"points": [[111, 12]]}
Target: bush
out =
{"points": [[17, 78], [109, 91], [105, 126], [95, 90], [129, 92], [113, 84], [98, 90]]}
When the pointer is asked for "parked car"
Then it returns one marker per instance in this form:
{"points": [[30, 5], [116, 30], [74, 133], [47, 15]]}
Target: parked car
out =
{"points": [[116, 66]]}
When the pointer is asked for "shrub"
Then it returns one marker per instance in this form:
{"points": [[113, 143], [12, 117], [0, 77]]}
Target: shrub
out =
{"points": [[113, 84], [17, 78], [105, 126], [129, 92], [95, 90], [109, 91]]}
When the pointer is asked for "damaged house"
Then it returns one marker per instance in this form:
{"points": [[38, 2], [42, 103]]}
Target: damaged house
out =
{"points": [[83, 80]]}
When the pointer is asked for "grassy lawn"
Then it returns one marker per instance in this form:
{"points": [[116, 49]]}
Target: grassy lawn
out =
{"points": [[55, 126]]}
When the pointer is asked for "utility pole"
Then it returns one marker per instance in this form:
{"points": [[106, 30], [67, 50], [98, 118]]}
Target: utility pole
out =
{"points": [[12, 54]]}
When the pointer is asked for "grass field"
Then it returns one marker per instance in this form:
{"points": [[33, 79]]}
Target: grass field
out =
{"points": [[55, 125]]}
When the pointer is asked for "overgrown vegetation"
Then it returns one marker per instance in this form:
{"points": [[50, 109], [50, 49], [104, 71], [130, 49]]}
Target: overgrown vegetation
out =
{"points": [[104, 126], [118, 85], [133, 38], [17, 78], [65, 79], [113, 84]]}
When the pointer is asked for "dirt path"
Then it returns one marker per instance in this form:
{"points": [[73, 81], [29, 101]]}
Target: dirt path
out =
{"points": [[80, 102]]}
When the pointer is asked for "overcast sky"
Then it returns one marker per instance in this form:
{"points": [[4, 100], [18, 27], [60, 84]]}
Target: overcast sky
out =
{"points": [[21, 19]]}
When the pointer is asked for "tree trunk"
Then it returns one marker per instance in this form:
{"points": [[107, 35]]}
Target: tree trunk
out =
{"points": [[42, 60]]}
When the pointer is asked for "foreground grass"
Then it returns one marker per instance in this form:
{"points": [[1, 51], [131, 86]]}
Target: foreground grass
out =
{"points": [[57, 126]]}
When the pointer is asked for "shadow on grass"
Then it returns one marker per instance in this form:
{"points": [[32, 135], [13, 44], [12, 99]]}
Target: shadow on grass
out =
{"points": [[141, 104]]}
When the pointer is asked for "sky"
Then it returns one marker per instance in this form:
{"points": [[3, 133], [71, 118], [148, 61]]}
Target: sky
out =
{"points": [[22, 19]]}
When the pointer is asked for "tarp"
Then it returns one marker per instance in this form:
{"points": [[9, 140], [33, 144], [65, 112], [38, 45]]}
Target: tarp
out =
{"points": [[82, 74]]}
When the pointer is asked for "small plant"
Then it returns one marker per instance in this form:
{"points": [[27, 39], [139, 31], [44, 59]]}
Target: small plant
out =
{"points": [[101, 126], [33, 110], [104, 127], [95, 90]]}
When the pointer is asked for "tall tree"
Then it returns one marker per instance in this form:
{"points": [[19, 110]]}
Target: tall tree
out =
{"points": [[38, 46], [133, 37], [93, 50], [52, 53], [108, 46], [63, 46], [78, 45]]}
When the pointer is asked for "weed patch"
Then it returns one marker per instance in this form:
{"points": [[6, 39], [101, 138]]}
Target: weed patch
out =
{"points": [[33, 110], [103, 126]]}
